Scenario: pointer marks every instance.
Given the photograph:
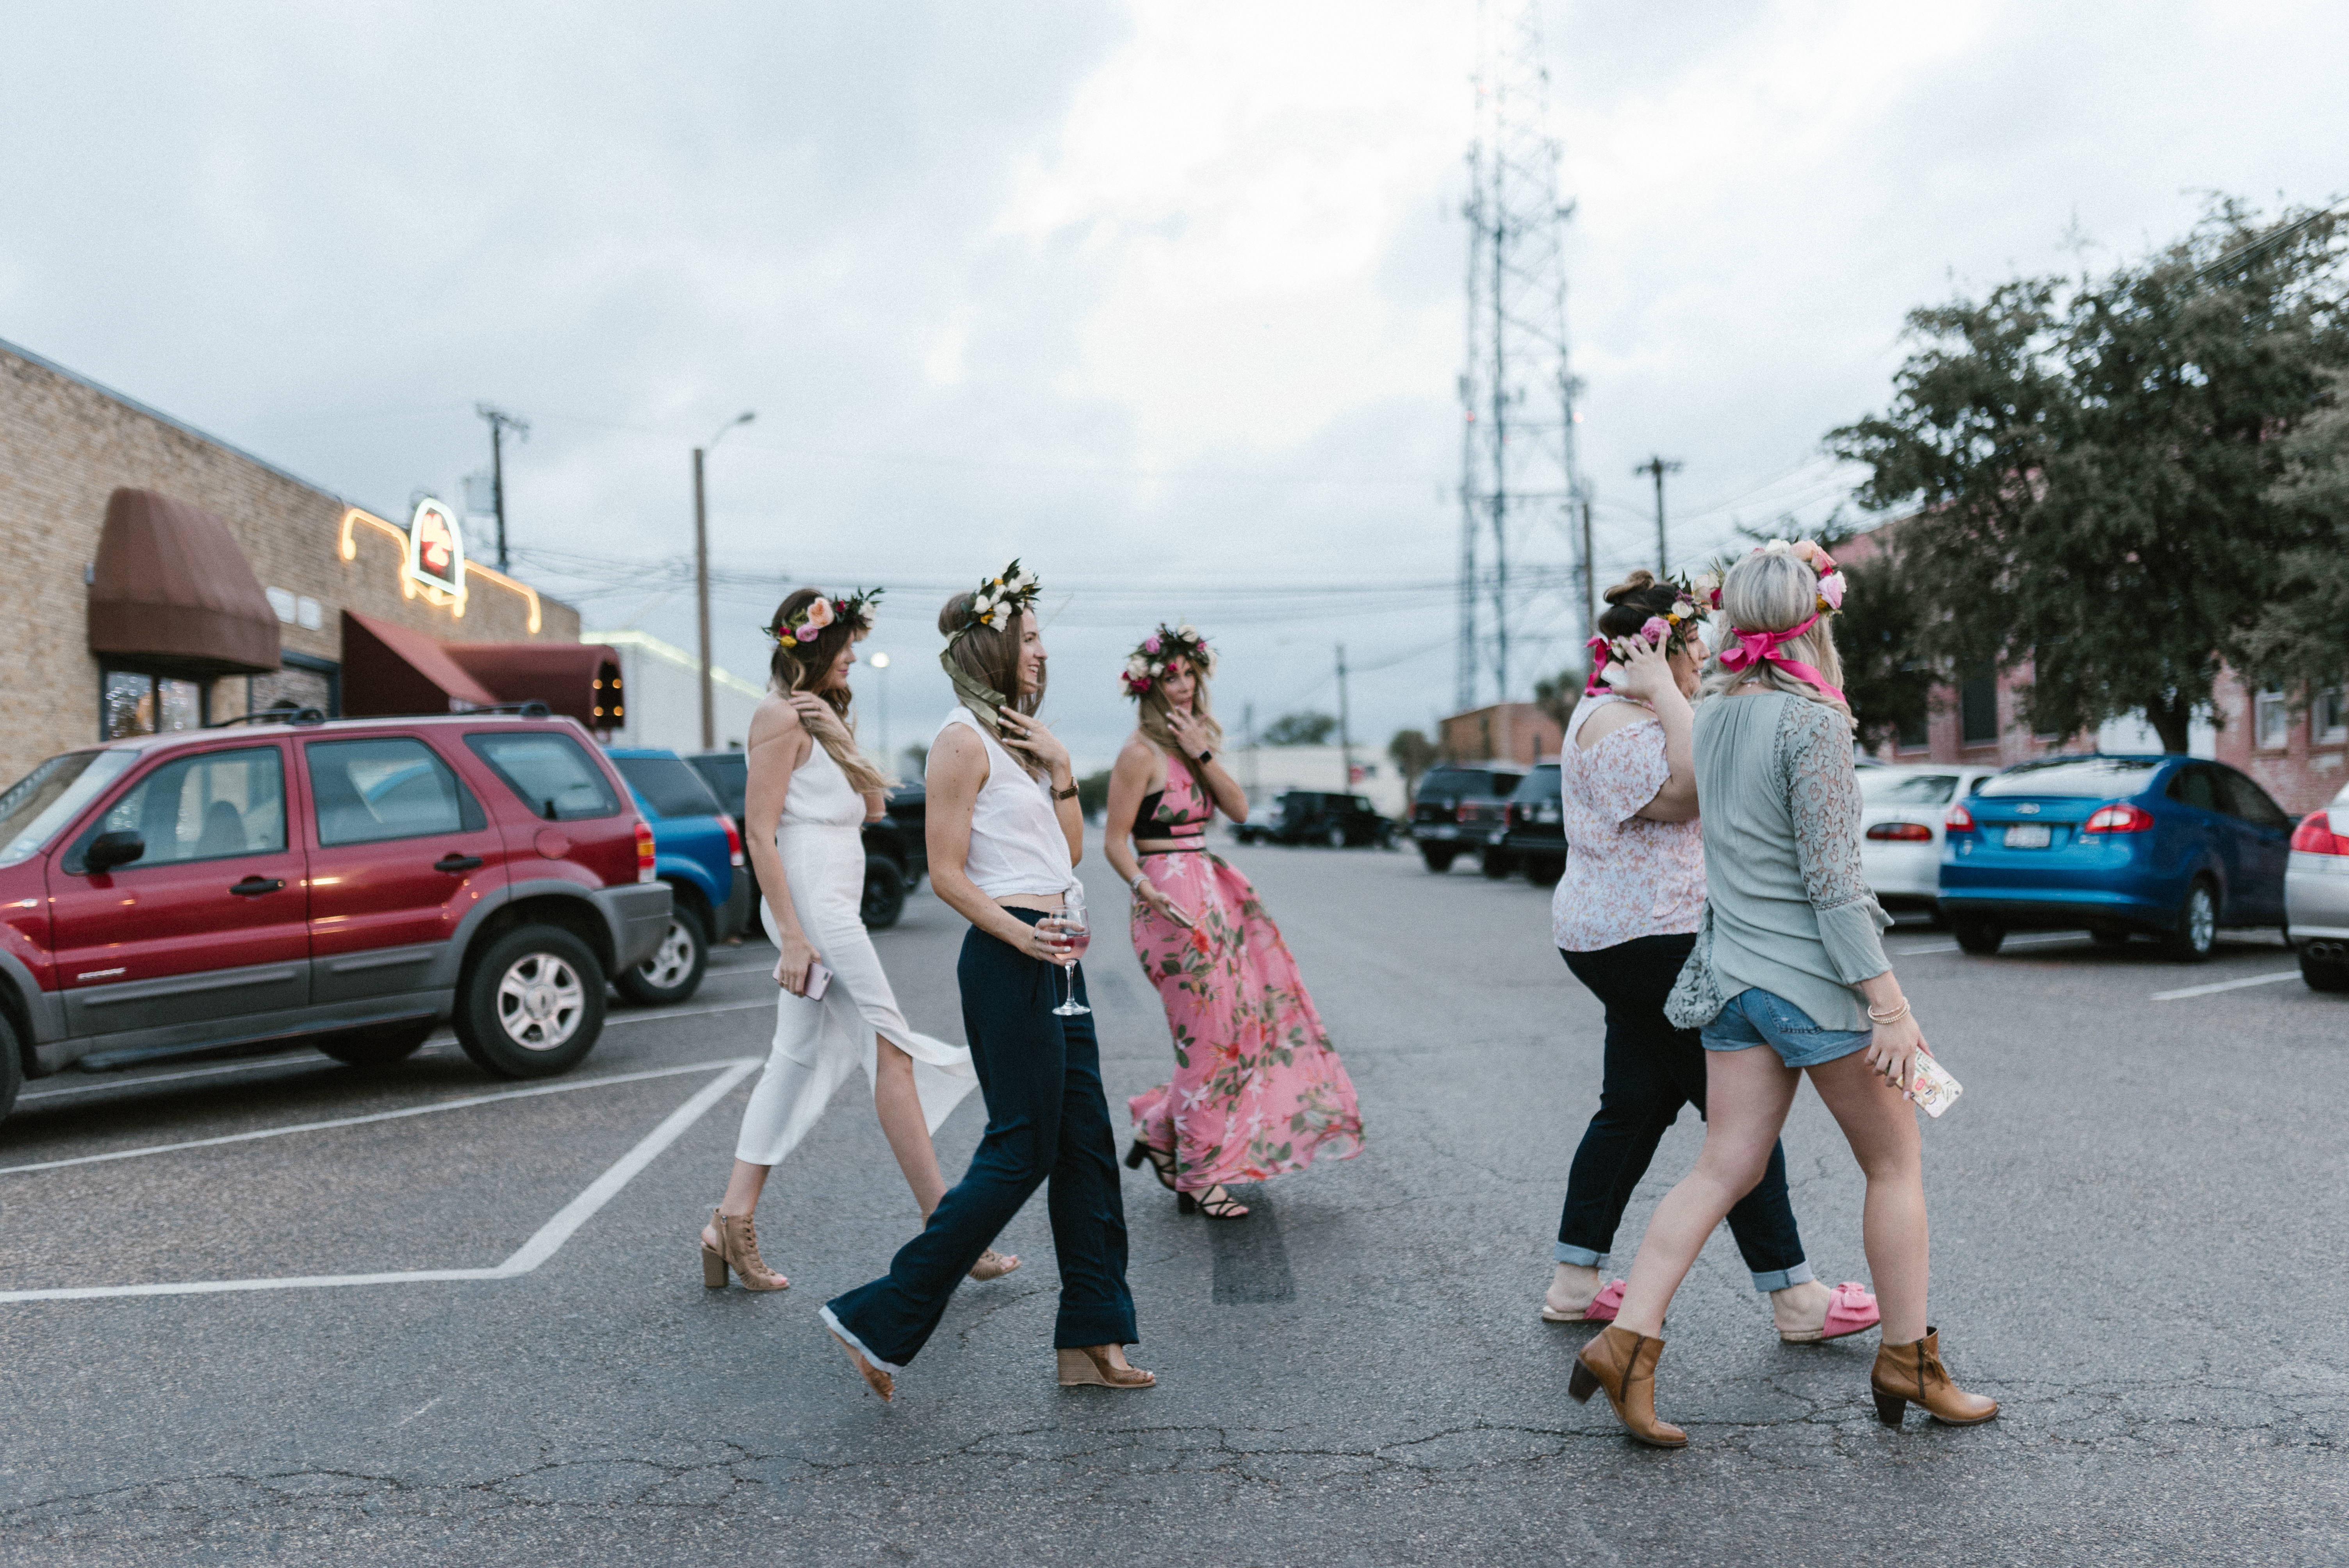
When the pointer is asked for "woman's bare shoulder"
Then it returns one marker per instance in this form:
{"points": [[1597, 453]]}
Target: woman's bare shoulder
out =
{"points": [[774, 716], [1613, 717], [1139, 751]]}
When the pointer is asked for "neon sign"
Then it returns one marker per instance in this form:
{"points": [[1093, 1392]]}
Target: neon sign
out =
{"points": [[436, 548]]}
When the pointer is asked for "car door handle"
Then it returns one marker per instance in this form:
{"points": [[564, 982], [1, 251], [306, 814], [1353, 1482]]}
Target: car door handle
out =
{"points": [[453, 863], [253, 887]]}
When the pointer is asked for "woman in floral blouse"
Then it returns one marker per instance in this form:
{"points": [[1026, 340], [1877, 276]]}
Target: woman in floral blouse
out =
{"points": [[1256, 1089]]}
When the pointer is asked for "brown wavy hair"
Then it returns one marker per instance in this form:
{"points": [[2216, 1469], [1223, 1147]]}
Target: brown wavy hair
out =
{"points": [[798, 666], [1631, 603]]}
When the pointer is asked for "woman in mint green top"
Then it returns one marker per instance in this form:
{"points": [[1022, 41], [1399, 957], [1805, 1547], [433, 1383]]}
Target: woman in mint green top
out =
{"points": [[1788, 958]]}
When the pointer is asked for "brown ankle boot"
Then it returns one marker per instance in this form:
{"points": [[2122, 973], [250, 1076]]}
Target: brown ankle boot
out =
{"points": [[1624, 1363], [1912, 1374]]}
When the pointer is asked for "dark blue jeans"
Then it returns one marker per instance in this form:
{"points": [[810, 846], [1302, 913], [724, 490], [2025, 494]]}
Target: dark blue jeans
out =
{"points": [[1654, 1069], [1046, 1119]]}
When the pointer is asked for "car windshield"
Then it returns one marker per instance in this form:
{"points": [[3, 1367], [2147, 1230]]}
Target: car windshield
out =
{"points": [[1889, 789], [1456, 781], [669, 786], [2088, 778], [52, 795]]}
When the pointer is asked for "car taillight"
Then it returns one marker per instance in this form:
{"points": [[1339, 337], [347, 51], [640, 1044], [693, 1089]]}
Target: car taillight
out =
{"points": [[645, 851], [1901, 832], [2316, 837], [1461, 813], [1960, 819], [2121, 819], [733, 843]]}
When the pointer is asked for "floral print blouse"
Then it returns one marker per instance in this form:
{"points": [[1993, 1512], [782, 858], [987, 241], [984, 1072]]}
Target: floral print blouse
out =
{"points": [[1626, 876]]}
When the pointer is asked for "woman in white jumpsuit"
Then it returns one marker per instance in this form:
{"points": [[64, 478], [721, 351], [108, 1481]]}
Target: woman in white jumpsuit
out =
{"points": [[808, 781]]}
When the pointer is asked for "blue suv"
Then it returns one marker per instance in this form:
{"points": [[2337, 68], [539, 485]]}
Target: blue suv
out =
{"points": [[2168, 846], [697, 852]]}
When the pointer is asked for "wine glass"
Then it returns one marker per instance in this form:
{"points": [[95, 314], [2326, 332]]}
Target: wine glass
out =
{"points": [[1075, 935]]}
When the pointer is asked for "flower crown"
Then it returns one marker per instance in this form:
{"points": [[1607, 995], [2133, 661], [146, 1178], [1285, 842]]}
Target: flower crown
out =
{"points": [[1000, 600], [1660, 631], [1146, 665], [806, 623], [1832, 582]]}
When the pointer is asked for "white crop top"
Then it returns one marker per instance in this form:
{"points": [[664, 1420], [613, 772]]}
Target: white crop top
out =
{"points": [[1016, 842]]}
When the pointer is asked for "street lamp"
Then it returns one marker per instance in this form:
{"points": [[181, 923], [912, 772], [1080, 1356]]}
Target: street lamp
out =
{"points": [[702, 577], [881, 662]]}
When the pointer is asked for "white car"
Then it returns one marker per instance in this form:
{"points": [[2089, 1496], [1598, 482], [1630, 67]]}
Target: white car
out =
{"points": [[2316, 896], [1900, 829]]}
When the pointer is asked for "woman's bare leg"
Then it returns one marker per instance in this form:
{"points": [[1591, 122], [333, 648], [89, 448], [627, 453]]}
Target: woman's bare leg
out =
{"points": [[1881, 1127], [742, 1189], [899, 1106], [1746, 1097]]}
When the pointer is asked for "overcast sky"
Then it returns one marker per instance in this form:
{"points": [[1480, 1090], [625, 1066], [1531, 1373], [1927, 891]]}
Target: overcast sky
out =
{"points": [[1162, 296]]}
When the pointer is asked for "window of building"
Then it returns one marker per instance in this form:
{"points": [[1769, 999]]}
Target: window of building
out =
{"points": [[2271, 721], [140, 702], [1915, 734], [1978, 710], [2328, 717], [305, 680]]}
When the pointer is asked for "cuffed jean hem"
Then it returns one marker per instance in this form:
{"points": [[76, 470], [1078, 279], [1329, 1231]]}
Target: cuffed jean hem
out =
{"points": [[1779, 1279], [1581, 1257], [862, 1349]]}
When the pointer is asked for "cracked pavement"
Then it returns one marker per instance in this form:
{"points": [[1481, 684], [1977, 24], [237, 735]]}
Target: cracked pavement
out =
{"points": [[2140, 1211]]}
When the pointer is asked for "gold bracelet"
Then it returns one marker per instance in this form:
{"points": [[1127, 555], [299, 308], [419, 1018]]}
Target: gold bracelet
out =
{"points": [[1894, 1017]]}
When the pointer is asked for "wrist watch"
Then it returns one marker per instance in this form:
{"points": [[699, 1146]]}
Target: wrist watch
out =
{"points": [[1205, 757], [1067, 794]]}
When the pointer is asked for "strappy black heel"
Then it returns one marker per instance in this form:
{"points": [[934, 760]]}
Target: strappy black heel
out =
{"points": [[1217, 1203], [1160, 1160]]}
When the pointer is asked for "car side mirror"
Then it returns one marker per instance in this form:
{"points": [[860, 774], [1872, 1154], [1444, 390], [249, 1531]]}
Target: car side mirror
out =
{"points": [[118, 848]]}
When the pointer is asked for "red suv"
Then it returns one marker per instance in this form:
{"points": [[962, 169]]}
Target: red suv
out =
{"points": [[359, 882]]}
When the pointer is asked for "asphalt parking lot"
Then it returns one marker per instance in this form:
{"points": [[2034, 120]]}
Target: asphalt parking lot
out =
{"points": [[280, 1309]]}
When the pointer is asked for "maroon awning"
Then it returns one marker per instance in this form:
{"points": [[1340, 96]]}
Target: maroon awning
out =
{"points": [[388, 669], [581, 679], [170, 587]]}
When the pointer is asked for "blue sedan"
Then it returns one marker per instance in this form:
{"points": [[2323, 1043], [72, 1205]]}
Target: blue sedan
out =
{"points": [[2171, 847]]}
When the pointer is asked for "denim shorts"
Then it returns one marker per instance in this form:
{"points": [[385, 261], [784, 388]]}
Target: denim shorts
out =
{"points": [[1756, 1018]]}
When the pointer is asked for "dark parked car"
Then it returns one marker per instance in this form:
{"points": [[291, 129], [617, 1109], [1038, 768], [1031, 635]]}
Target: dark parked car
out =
{"points": [[698, 851], [1316, 817], [2169, 846], [1461, 809], [896, 856], [353, 884], [1536, 831]]}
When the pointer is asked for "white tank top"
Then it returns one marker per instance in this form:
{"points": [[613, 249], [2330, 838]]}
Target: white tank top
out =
{"points": [[820, 795], [1016, 842]]}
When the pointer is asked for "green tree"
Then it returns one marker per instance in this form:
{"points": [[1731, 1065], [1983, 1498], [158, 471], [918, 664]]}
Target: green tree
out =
{"points": [[1306, 728], [1092, 793], [1412, 754], [1556, 695], [2299, 641], [1887, 675], [2093, 465]]}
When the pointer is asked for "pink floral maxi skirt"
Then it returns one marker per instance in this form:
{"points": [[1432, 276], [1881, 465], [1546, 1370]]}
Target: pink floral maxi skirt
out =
{"points": [[1256, 1089]]}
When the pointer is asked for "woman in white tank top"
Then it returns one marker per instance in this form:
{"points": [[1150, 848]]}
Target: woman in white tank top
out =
{"points": [[809, 795], [1004, 837]]}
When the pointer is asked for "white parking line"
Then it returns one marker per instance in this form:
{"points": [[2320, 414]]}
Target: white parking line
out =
{"points": [[2218, 986], [2011, 942], [471, 1099], [542, 1246]]}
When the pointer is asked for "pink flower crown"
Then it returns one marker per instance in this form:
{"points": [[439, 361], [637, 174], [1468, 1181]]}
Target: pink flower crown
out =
{"points": [[1832, 582], [807, 623], [1658, 631], [1146, 665]]}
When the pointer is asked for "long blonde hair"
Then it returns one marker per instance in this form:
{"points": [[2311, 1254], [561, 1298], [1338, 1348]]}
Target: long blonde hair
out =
{"points": [[1153, 707], [1770, 591], [798, 666]]}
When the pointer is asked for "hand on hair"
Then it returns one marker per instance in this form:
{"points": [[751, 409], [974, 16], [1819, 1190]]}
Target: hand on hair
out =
{"points": [[1027, 738], [817, 715], [1640, 670]]}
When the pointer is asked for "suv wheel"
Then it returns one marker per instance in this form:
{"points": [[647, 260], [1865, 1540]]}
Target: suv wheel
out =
{"points": [[1980, 937], [1497, 864], [1336, 838], [532, 1004], [1438, 860], [674, 970], [2196, 931], [12, 1067], [1543, 871], [884, 896], [2322, 974], [380, 1047]]}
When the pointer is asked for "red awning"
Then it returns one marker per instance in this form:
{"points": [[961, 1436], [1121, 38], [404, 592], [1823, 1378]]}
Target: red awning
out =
{"points": [[581, 679], [388, 669], [170, 587]]}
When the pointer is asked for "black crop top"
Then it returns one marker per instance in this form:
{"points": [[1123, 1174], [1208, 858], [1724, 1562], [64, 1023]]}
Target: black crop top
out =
{"points": [[1144, 827]]}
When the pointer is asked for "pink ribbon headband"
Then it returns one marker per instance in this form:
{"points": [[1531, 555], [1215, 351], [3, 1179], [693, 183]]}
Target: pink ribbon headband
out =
{"points": [[1755, 648]]}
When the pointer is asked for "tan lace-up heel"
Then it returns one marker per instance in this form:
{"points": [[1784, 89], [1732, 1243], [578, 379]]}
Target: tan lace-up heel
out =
{"points": [[1091, 1367], [737, 1249]]}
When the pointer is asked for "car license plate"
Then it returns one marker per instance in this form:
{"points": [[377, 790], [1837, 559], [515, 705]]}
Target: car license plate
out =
{"points": [[2028, 836]]}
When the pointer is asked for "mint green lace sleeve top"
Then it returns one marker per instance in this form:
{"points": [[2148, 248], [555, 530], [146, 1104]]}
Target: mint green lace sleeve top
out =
{"points": [[1788, 903]]}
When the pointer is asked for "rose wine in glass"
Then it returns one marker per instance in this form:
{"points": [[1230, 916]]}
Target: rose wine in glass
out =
{"points": [[1075, 936]]}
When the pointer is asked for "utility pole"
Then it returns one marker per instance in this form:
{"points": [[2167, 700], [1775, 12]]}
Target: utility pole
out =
{"points": [[701, 579], [500, 423], [1659, 467], [1589, 574], [1517, 390], [1345, 723]]}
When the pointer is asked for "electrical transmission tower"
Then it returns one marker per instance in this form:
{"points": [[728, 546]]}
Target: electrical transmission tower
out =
{"points": [[1517, 477]]}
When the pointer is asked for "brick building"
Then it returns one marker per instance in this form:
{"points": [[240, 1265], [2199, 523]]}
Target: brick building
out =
{"points": [[163, 580], [1517, 732], [2296, 756]]}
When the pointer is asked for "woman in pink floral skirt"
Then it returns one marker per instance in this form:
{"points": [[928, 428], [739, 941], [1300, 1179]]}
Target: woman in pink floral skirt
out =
{"points": [[1256, 1089]]}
